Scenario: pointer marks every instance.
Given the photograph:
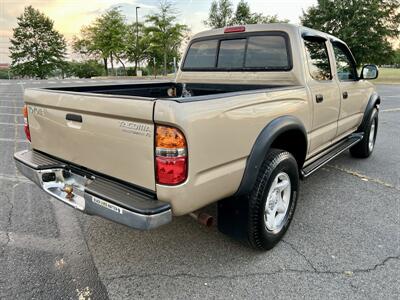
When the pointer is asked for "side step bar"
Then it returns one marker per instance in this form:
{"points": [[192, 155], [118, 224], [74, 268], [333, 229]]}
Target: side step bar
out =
{"points": [[332, 152]]}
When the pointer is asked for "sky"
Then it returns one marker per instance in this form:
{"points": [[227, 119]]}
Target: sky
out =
{"points": [[70, 15]]}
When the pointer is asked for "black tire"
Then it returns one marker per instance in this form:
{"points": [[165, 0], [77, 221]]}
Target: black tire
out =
{"points": [[363, 149], [276, 162]]}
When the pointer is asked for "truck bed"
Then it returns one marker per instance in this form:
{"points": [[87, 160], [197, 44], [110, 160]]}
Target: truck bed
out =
{"points": [[160, 90]]}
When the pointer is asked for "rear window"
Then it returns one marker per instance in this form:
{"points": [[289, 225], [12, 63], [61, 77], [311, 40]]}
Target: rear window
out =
{"points": [[257, 52], [267, 52], [231, 53], [202, 54]]}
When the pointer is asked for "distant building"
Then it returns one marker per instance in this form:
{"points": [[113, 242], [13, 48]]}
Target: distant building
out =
{"points": [[4, 66]]}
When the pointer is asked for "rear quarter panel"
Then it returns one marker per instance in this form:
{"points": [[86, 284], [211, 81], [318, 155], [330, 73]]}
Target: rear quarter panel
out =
{"points": [[220, 134]]}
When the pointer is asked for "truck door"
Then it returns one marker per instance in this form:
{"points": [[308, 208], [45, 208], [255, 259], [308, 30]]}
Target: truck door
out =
{"points": [[324, 92], [352, 91]]}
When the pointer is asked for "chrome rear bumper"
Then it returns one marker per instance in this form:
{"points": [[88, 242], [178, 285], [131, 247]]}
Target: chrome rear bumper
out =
{"points": [[92, 194]]}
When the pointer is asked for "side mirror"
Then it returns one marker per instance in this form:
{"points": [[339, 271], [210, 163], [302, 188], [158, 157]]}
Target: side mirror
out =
{"points": [[369, 72]]}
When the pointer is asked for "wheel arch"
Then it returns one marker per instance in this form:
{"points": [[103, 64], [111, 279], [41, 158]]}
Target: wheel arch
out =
{"points": [[373, 102], [286, 133]]}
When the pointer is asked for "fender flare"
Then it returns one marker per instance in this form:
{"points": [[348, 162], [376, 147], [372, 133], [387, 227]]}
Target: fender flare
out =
{"points": [[373, 102], [262, 145]]}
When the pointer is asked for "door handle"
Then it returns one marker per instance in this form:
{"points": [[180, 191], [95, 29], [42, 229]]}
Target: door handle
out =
{"points": [[345, 95], [73, 117], [319, 98]]}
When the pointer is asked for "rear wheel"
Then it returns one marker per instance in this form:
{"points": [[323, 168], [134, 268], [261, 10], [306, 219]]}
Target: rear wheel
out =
{"points": [[273, 200], [366, 146]]}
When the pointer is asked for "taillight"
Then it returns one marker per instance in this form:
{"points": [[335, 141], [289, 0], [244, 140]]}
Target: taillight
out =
{"points": [[171, 156], [26, 124]]}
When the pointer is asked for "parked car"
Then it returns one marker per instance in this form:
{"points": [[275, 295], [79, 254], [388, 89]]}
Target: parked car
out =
{"points": [[253, 110]]}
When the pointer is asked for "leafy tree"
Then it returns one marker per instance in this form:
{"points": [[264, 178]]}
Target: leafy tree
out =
{"points": [[243, 16], [136, 49], [4, 74], [105, 37], [86, 69], [164, 35], [365, 25], [396, 58], [36, 48], [220, 15]]}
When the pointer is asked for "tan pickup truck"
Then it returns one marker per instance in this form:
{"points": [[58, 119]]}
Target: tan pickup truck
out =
{"points": [[253, 109]]}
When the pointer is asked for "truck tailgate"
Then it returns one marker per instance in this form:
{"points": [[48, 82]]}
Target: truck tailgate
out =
{"points": [[109, 135]]}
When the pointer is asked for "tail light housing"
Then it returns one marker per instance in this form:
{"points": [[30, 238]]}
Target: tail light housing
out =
{"points": [[26, 123], [171, 156]]}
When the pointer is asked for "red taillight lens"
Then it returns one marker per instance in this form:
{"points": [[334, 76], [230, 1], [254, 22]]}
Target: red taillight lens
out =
{"points": [[171, 170], [26, 124], [234, 29], [171, 156]]}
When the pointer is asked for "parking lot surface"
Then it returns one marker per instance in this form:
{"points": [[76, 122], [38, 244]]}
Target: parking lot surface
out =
{"points": [[344, 241]]}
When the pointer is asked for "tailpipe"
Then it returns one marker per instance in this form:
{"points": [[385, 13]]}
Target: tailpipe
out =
{"points": [[203, 218]]}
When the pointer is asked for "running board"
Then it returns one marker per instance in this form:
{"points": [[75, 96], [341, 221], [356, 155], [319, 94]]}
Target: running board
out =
{"points": [[333, 151]]}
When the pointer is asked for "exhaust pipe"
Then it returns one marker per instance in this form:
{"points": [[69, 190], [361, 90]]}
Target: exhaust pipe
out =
{"points": [[203, 218]]}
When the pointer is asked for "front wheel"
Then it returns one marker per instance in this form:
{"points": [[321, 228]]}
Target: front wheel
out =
{"points": [[366, 146], [273, 200]]}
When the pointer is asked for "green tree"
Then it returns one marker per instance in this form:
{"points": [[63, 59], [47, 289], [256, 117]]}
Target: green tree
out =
{"points": [[220, 15], [37, 49], [105, 37], [86, 69], [164, 35], [365, 25], [396, 58], [136, 49], [243, 15]]}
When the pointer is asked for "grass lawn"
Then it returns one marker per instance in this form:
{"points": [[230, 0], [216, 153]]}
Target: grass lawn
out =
{"points": [[388, 76]]}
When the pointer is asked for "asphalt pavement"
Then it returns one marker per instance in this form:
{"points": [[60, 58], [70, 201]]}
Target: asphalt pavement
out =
{"points": [[344, 241]]}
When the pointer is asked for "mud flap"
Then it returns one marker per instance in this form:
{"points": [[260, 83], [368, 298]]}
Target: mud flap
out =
{"points": [[233, 217]]}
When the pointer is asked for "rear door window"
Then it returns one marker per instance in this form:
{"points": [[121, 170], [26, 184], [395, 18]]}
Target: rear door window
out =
{"points": [[318, 60]]}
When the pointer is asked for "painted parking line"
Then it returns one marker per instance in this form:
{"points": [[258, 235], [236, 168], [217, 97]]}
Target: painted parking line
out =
{"points": [[390, 110], [5, 114], [13, 140], [16, 124]]}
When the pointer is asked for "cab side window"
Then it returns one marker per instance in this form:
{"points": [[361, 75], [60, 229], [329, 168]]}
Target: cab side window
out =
{"points": [[345, 66], [318, 59]]}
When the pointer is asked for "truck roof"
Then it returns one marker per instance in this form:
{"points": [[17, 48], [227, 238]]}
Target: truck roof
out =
{"points": [[295, 29]]}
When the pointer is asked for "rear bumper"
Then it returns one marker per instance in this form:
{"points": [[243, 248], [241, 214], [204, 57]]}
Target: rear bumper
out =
{"points": [[93, 194]]}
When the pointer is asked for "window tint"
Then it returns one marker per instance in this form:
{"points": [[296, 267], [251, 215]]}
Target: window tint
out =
{"points": [[202, 54], [318, 60], [267, 52], [258, 52], [344, 64], [231, 53]]}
